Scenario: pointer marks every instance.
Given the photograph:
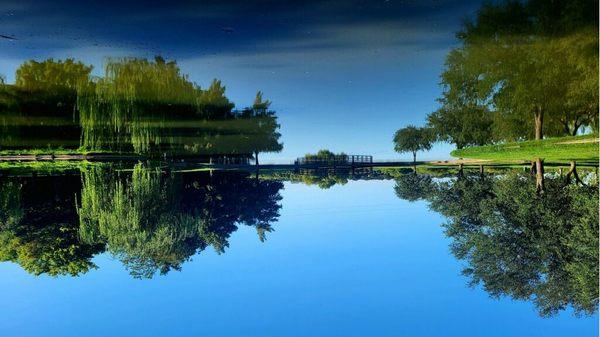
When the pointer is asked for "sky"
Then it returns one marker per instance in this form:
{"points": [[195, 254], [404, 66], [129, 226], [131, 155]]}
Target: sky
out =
{"points": [[342, 75], [337, 264]]}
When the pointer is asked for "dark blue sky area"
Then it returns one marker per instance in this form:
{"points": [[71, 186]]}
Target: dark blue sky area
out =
{"points": [[343, 75]]}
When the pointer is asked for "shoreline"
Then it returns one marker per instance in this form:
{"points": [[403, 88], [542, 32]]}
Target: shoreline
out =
{"points": [[107, 157], [69, 157]]}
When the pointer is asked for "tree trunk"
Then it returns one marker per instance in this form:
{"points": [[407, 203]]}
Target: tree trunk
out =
{"points": [[566, 128], [256, 157], [575, 129], [539, 121], [460, 170], [539, 176], [414, 161], [573, 172]]}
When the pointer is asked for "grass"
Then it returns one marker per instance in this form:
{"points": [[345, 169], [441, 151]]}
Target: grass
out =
{"points": [[551, 150], [42, 168], [49, 151]]}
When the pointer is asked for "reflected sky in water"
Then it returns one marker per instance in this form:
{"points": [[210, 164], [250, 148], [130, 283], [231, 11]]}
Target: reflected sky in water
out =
{"points": [[350, 260], [320, 61]]}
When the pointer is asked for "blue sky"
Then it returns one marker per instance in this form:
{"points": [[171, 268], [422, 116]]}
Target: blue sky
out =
{"points": [[337, 264], [341, 75]]}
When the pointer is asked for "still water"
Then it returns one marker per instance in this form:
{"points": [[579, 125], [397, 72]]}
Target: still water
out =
{"points": [[100, 251]]}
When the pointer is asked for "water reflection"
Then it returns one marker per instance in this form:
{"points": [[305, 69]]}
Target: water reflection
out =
{"points": [[515, 239], [150, 220], [139, 106], [519, 241], [39, 226]]}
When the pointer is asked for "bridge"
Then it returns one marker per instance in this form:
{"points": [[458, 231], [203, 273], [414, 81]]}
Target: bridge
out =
{"points": [[336, 161]]}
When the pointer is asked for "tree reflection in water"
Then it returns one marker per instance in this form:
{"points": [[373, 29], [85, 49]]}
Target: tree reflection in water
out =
{"points": [[517, 241], [39, 227], [152, 221]]}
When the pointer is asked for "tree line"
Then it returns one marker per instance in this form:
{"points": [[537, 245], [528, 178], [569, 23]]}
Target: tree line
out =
{"points": [[523, 70], [138, 105]]}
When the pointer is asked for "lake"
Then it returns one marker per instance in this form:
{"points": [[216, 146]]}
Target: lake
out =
{"points": [[107, 250]]}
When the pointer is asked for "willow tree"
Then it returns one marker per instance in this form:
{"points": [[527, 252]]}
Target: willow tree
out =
{"points": [[152, 221], [127, 108], [150, 107], [136, 221]]}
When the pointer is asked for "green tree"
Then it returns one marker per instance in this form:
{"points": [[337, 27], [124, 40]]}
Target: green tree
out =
{"points": [[155, 221], [413, 139], [517, 243], [529, 67], [51, 75], [39, 111], [529, 83], [134, 105], [264, 135], [39, 229], [260, 105], [214, 103], [464, 117], [581, 102], [413, 187]]}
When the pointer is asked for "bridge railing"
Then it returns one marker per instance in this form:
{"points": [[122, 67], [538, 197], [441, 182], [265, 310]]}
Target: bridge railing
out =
{"points": [[335, 160]]}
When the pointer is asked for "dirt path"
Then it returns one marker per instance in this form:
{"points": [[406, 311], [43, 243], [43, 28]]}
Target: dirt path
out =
{"points": [[581, 141], [460, 161]]}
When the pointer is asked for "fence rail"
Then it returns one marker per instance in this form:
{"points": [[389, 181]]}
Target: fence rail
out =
{"points": [[337, 160]]}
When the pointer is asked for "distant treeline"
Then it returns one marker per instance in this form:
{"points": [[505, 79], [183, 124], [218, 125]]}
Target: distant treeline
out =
{"points": [[139, 106], [325, 156]]}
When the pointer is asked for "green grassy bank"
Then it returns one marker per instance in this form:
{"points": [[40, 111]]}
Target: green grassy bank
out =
{"points": [[579, 148]]}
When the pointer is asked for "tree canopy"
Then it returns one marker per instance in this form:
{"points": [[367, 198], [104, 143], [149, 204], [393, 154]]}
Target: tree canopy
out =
{"points": [[154, 222], [524, 69], [142, 106], [52, 75], [39, 228], [517, 242], [413, 139]]}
